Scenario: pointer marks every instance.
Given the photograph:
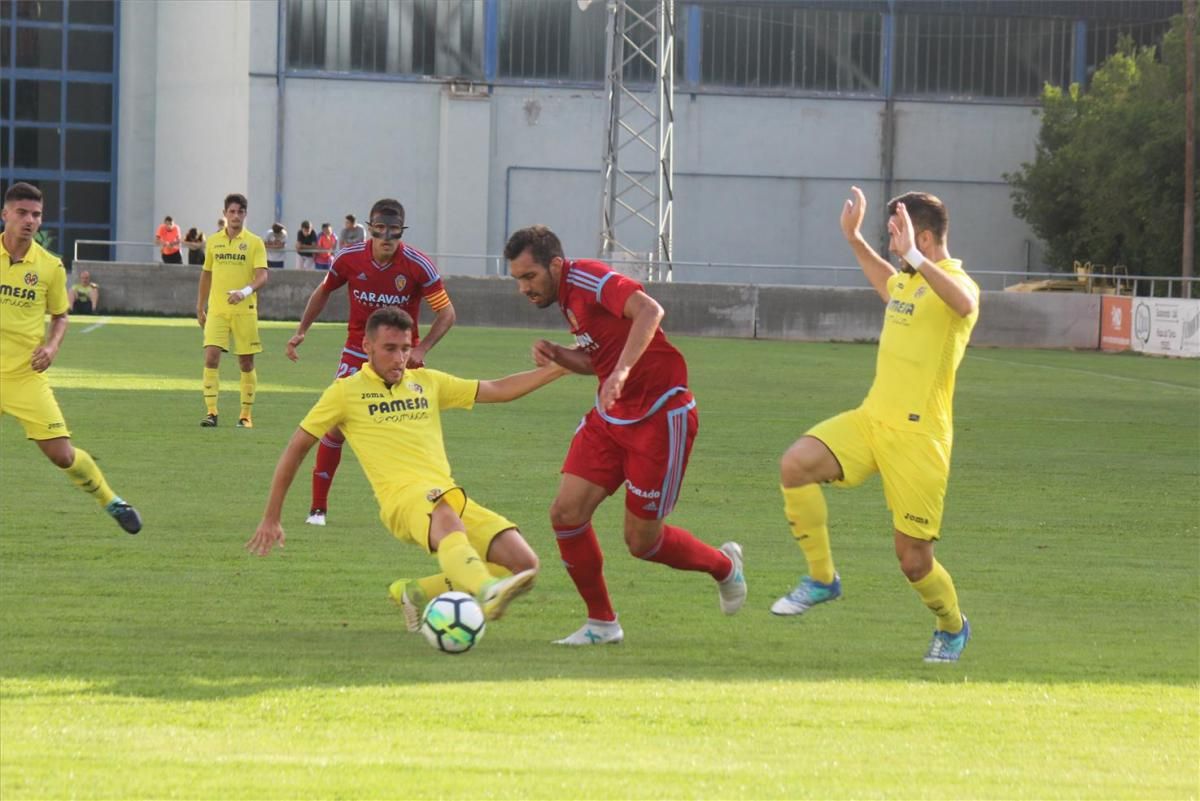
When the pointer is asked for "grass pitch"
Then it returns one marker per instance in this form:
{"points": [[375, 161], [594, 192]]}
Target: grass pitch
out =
{"points": [[173, 664]]}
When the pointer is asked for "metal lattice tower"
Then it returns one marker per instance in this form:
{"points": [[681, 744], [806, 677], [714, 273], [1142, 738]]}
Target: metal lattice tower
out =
{"points": [[638, 198]]}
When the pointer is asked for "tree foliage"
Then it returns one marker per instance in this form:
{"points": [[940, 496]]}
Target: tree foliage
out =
{"points": [[1106, 184]]}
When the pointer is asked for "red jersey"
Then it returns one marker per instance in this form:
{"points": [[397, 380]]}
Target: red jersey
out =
{"points": [[409, 277], [593, 296]]}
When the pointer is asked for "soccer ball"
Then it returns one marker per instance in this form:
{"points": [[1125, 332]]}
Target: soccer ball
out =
{"points": [[453, 622]]}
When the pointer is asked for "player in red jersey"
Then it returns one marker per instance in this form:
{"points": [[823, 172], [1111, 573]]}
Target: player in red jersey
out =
{"points": [[382, 271], [639, 433]]}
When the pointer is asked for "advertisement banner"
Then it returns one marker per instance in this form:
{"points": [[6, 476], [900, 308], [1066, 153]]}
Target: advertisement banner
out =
{"points": [[1116, 321], [1166, 327]]}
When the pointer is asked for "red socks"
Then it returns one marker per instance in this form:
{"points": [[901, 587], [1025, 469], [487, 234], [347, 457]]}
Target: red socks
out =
{"points": [[580, 551], [679, 549], [329, 456]]}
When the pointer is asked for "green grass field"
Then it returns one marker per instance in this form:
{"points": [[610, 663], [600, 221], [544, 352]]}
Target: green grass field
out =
{"points": [[174, 665]]}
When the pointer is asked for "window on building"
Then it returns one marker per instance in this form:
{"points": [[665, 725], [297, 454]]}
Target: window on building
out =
{"points": [[57, 128], [791, 47], [396, 37]]}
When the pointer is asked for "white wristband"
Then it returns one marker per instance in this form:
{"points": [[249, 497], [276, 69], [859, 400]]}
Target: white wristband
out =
{"points": [[247, 291], [914, 257]]}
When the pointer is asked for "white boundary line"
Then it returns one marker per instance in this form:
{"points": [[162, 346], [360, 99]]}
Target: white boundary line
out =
{"points": [[95, 325], [1056, 368]]}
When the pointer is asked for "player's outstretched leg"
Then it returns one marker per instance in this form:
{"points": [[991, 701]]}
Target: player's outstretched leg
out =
{"points": [[85, 474], [498, 593], [408, 595], [595, 632], [412, 595]]}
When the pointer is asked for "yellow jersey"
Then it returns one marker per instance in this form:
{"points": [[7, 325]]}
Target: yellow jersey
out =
{"points": [[232, 262], [29, 288], [396, 432], [921, 346]]}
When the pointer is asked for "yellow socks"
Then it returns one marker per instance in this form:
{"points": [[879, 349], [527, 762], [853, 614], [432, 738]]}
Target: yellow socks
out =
{"points": [[808, 518], [435, 585], [84, 474], [937, 592], [249, 384], [461, 563], [211, 385]]}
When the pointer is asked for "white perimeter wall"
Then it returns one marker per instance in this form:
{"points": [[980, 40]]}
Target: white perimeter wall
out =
{"points": [[758, 180]]}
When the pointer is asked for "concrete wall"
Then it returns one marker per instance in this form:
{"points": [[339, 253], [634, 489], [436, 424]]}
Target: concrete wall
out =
{"points": [[766, 312], [185, 95], [759, 180]]}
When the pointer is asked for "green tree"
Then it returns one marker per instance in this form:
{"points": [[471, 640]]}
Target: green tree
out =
{"points": [[1106, 184]]}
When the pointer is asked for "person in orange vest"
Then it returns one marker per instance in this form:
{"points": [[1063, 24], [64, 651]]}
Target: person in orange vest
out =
{"points": [[167, 237]]}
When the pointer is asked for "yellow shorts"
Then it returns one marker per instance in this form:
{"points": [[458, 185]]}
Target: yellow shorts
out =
{"points": [[27, 396], [406, 514], [243, 325], [915, 468]]}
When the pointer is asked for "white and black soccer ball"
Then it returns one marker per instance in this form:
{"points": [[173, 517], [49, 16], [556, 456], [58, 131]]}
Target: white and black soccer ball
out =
{"points": [[453, 622]]}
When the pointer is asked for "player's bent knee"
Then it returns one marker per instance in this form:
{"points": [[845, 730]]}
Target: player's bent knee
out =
{"points": [[59, 451], [808, 461], [641, 539], [511, 550], [916, 559], [565, 515]]}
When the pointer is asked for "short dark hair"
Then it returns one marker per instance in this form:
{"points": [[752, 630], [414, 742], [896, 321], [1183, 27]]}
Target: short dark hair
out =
{"points": [[238, 198], [22, 191], [388, 206], [539, 240], [927, 211], [168, 218], [277, 228], [390, 317], [351, 218], [305, 224]]}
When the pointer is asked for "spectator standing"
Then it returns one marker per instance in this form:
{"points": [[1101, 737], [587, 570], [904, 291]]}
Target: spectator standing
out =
{"points": [[85, 295], [306, 245], [194, 242], [167, 238], [327, 243], [276, 244], [352, 234]]}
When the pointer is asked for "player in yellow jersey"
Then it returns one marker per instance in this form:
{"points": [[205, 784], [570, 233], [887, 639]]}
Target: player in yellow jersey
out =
{"points": [[33, 284], [391, 416], [235, 268], [904, 429]]}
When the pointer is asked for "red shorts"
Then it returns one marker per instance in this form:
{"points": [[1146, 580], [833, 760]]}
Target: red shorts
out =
{"points": [[649, 457], [352, 361]]}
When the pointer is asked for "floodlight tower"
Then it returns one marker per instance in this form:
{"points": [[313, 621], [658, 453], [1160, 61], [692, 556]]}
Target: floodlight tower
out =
{"points": [[637, 204]]}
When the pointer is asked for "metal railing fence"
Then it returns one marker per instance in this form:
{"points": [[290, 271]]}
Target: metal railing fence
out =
{"points": [[709, 272]]}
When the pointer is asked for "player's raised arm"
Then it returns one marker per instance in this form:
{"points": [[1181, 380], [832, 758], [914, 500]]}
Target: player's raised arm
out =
{"points": [[877, 269], [270, 532], [516, 385], [646, 314]]}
